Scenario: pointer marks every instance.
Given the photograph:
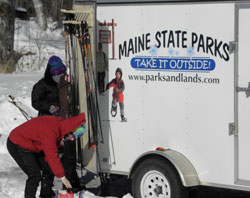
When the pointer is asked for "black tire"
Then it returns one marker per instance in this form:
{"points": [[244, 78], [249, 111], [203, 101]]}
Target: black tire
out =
{"points": [[155, 177]]}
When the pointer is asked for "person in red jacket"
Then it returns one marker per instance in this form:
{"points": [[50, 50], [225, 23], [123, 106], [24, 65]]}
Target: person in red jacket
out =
{"points": [[34, 144], [118, 88]]}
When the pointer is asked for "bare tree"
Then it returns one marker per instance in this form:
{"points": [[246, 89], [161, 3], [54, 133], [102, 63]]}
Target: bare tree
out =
{"points": [[7, 22], [39, 39], [40, 15], [53, 8]]}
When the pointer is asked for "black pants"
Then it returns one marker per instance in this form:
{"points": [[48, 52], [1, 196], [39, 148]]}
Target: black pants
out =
{"points": [[101, 77], [69, 163], [33, 164]]}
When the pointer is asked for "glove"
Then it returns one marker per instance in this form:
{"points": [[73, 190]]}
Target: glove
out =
{"points": [[79, 131], [54, 110], [116, 90]]}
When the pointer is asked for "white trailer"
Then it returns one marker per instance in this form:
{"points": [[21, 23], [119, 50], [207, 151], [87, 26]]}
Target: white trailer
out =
{"points": [[186, 72]]}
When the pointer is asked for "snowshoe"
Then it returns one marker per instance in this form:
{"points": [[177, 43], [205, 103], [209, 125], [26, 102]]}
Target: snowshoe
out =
{"points": [[124, 119], [113, 111]]}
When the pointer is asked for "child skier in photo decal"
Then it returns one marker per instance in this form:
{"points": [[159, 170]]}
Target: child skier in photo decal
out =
{"points": [[118, 88]]}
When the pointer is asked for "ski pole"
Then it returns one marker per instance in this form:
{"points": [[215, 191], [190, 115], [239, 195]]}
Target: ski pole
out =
{"points": [[80, 153], [86, 80], [91, 100], [70, 28], [25, 114], [90, 105], [97, 105], [89, 68]]}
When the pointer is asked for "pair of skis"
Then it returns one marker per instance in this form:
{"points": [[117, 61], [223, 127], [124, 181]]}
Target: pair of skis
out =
{"points": [[90, 81], [91, 92], [80, 30]]}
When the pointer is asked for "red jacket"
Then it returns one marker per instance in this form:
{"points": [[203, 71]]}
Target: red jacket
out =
{"points": [[118, 88], [45, 133]]}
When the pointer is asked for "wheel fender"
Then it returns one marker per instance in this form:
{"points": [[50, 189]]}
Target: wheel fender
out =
{"points": [[183, 166]]}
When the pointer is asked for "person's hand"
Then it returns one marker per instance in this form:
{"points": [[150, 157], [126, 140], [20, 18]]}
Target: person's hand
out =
{"points": [[66, 182], [53, 109]]}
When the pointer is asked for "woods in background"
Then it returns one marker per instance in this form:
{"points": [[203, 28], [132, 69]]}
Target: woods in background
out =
{"points": [[9, 10]]}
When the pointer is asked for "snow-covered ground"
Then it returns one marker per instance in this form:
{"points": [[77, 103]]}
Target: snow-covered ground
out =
{"points": [[12, 179], [19, 84]]}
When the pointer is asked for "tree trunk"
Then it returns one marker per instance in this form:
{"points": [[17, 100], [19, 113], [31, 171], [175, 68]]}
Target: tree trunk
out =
{"points": [[7, 25], [40, 15]]}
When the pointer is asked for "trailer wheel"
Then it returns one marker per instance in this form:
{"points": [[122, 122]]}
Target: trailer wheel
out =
{"points": [[157, 178]]}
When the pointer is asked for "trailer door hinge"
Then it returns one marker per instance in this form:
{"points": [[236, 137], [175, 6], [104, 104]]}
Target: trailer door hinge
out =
{"points": [[232, 47], [232, 129]]}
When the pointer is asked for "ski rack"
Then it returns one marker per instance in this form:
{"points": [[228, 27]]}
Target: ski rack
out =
{"points": [[78, 16], [76, 25]]}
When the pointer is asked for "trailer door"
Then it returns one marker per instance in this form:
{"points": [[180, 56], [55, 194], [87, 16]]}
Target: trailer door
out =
{"points": [[242, 82]]}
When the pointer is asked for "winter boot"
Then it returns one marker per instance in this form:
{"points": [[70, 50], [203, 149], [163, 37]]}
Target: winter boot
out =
{"points": [[113, 111], [46, 189], [124, 119]]}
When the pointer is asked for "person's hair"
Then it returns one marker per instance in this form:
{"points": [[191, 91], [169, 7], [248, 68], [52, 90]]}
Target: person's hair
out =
{"points": [[67, 135], [118, 70]]}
